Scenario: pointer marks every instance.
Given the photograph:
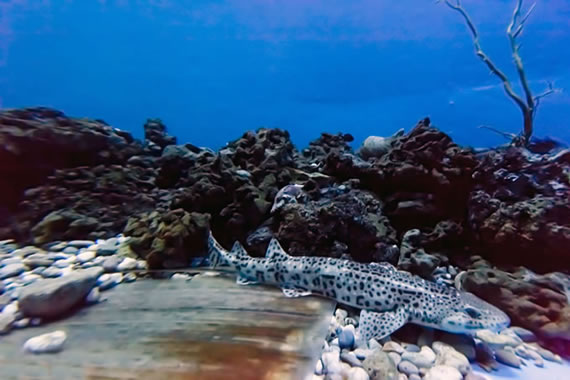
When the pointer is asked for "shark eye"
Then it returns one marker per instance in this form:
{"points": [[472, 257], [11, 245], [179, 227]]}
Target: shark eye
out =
{"points": [[473, 313]]}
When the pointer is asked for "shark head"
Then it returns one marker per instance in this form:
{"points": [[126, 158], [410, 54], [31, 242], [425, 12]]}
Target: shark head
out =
{"points": [[470, 313]]}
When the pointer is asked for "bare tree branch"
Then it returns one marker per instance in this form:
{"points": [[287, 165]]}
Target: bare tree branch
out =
{"points": [[494, 69], [515, 28]]}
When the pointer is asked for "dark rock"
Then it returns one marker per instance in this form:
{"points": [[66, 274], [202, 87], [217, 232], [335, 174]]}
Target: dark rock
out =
{"points": [[414, 259], [36, 141], [535, 302], [168, 240], [520, 206], [425, 178], [341, 221], [156, 137], [61, 225]]}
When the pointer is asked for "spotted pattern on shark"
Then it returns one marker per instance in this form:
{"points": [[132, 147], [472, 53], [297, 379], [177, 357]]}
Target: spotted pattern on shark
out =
{"points": [[388, 298]]}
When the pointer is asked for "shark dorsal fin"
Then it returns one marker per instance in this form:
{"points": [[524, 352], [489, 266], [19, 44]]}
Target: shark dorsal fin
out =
{"points": [[275, 251], [238, 251]]}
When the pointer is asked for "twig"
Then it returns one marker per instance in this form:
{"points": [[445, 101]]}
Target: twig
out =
{"points": [[514, 30]]}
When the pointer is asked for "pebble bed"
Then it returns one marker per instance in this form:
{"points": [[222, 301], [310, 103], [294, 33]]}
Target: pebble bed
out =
{"points": [[31, 277], [344, 357]]}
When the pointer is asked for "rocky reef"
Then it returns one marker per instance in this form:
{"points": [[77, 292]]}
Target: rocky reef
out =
{"points": [[494, 222]]}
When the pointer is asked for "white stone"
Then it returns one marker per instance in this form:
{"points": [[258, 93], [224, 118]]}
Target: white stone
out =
{"points": [[447, 355], [180, 276], [319, 367], [424, 358], [128, 263], [86, 256], [46, 343], [393, 347], [94, 296], [443, 372], [497, 341], [12, 308], [331, 362], [142, 265]]}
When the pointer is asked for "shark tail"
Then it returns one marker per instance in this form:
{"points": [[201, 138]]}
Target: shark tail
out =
{"points": [[219, 256]]}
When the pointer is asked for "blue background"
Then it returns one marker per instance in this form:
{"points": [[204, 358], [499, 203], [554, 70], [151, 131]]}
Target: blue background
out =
{"points": [[213, 69]]}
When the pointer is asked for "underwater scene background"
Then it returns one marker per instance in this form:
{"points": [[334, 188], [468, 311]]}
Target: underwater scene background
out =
{"points": [[396, 173]]}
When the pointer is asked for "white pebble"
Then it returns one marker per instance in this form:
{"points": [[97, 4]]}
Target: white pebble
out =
{"points": [[86, 256], [180, 276], [128, 263], [94, 296], [357, 373], [443, 372], [46, 343]]}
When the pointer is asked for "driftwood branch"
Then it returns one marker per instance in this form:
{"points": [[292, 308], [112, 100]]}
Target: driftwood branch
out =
{"points": [[529, 104]]}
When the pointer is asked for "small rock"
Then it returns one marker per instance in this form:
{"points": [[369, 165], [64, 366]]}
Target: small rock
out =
{"points": [[180, 276], [396, 358], [12, 270], [414, 377], [331, 362], [340, 315], [130, 277], [70, 250], [12, 260], [46, 343], [106, 249], [142, 265], [497, 341], [411, 347], [111, 263], [380, 367], [474, 376], [357, 373], [424, 358], [362, 353], [85, 256], [319, 367], [80, 243], [547, 355], [447, 355], [29, 278], [93, 297], [6, 321], [350, 321], [22, 323], [5, 299], [51, 272], [350, 358], [111, 281], [508, 358], [12, 308], [524, 334], [443, 372], [408, 368], [536, 358], [393, 347], [346, 337], [128, 263]]}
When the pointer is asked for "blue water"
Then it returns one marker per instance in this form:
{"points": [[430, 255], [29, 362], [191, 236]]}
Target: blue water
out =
{"points": [[213, 69]]}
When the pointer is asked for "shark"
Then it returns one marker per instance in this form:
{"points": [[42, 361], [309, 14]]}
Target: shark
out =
{"points": [[388, 298]]}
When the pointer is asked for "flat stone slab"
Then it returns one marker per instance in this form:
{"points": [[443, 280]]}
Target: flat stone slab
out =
{"points": [[206, 328]]}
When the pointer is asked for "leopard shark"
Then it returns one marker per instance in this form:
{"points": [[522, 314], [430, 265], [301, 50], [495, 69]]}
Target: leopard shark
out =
{"points": [[388, 298]]}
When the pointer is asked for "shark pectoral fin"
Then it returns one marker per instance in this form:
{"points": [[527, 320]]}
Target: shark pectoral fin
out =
{"points": [[294, 292], [242, 280], [379, 325]]}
